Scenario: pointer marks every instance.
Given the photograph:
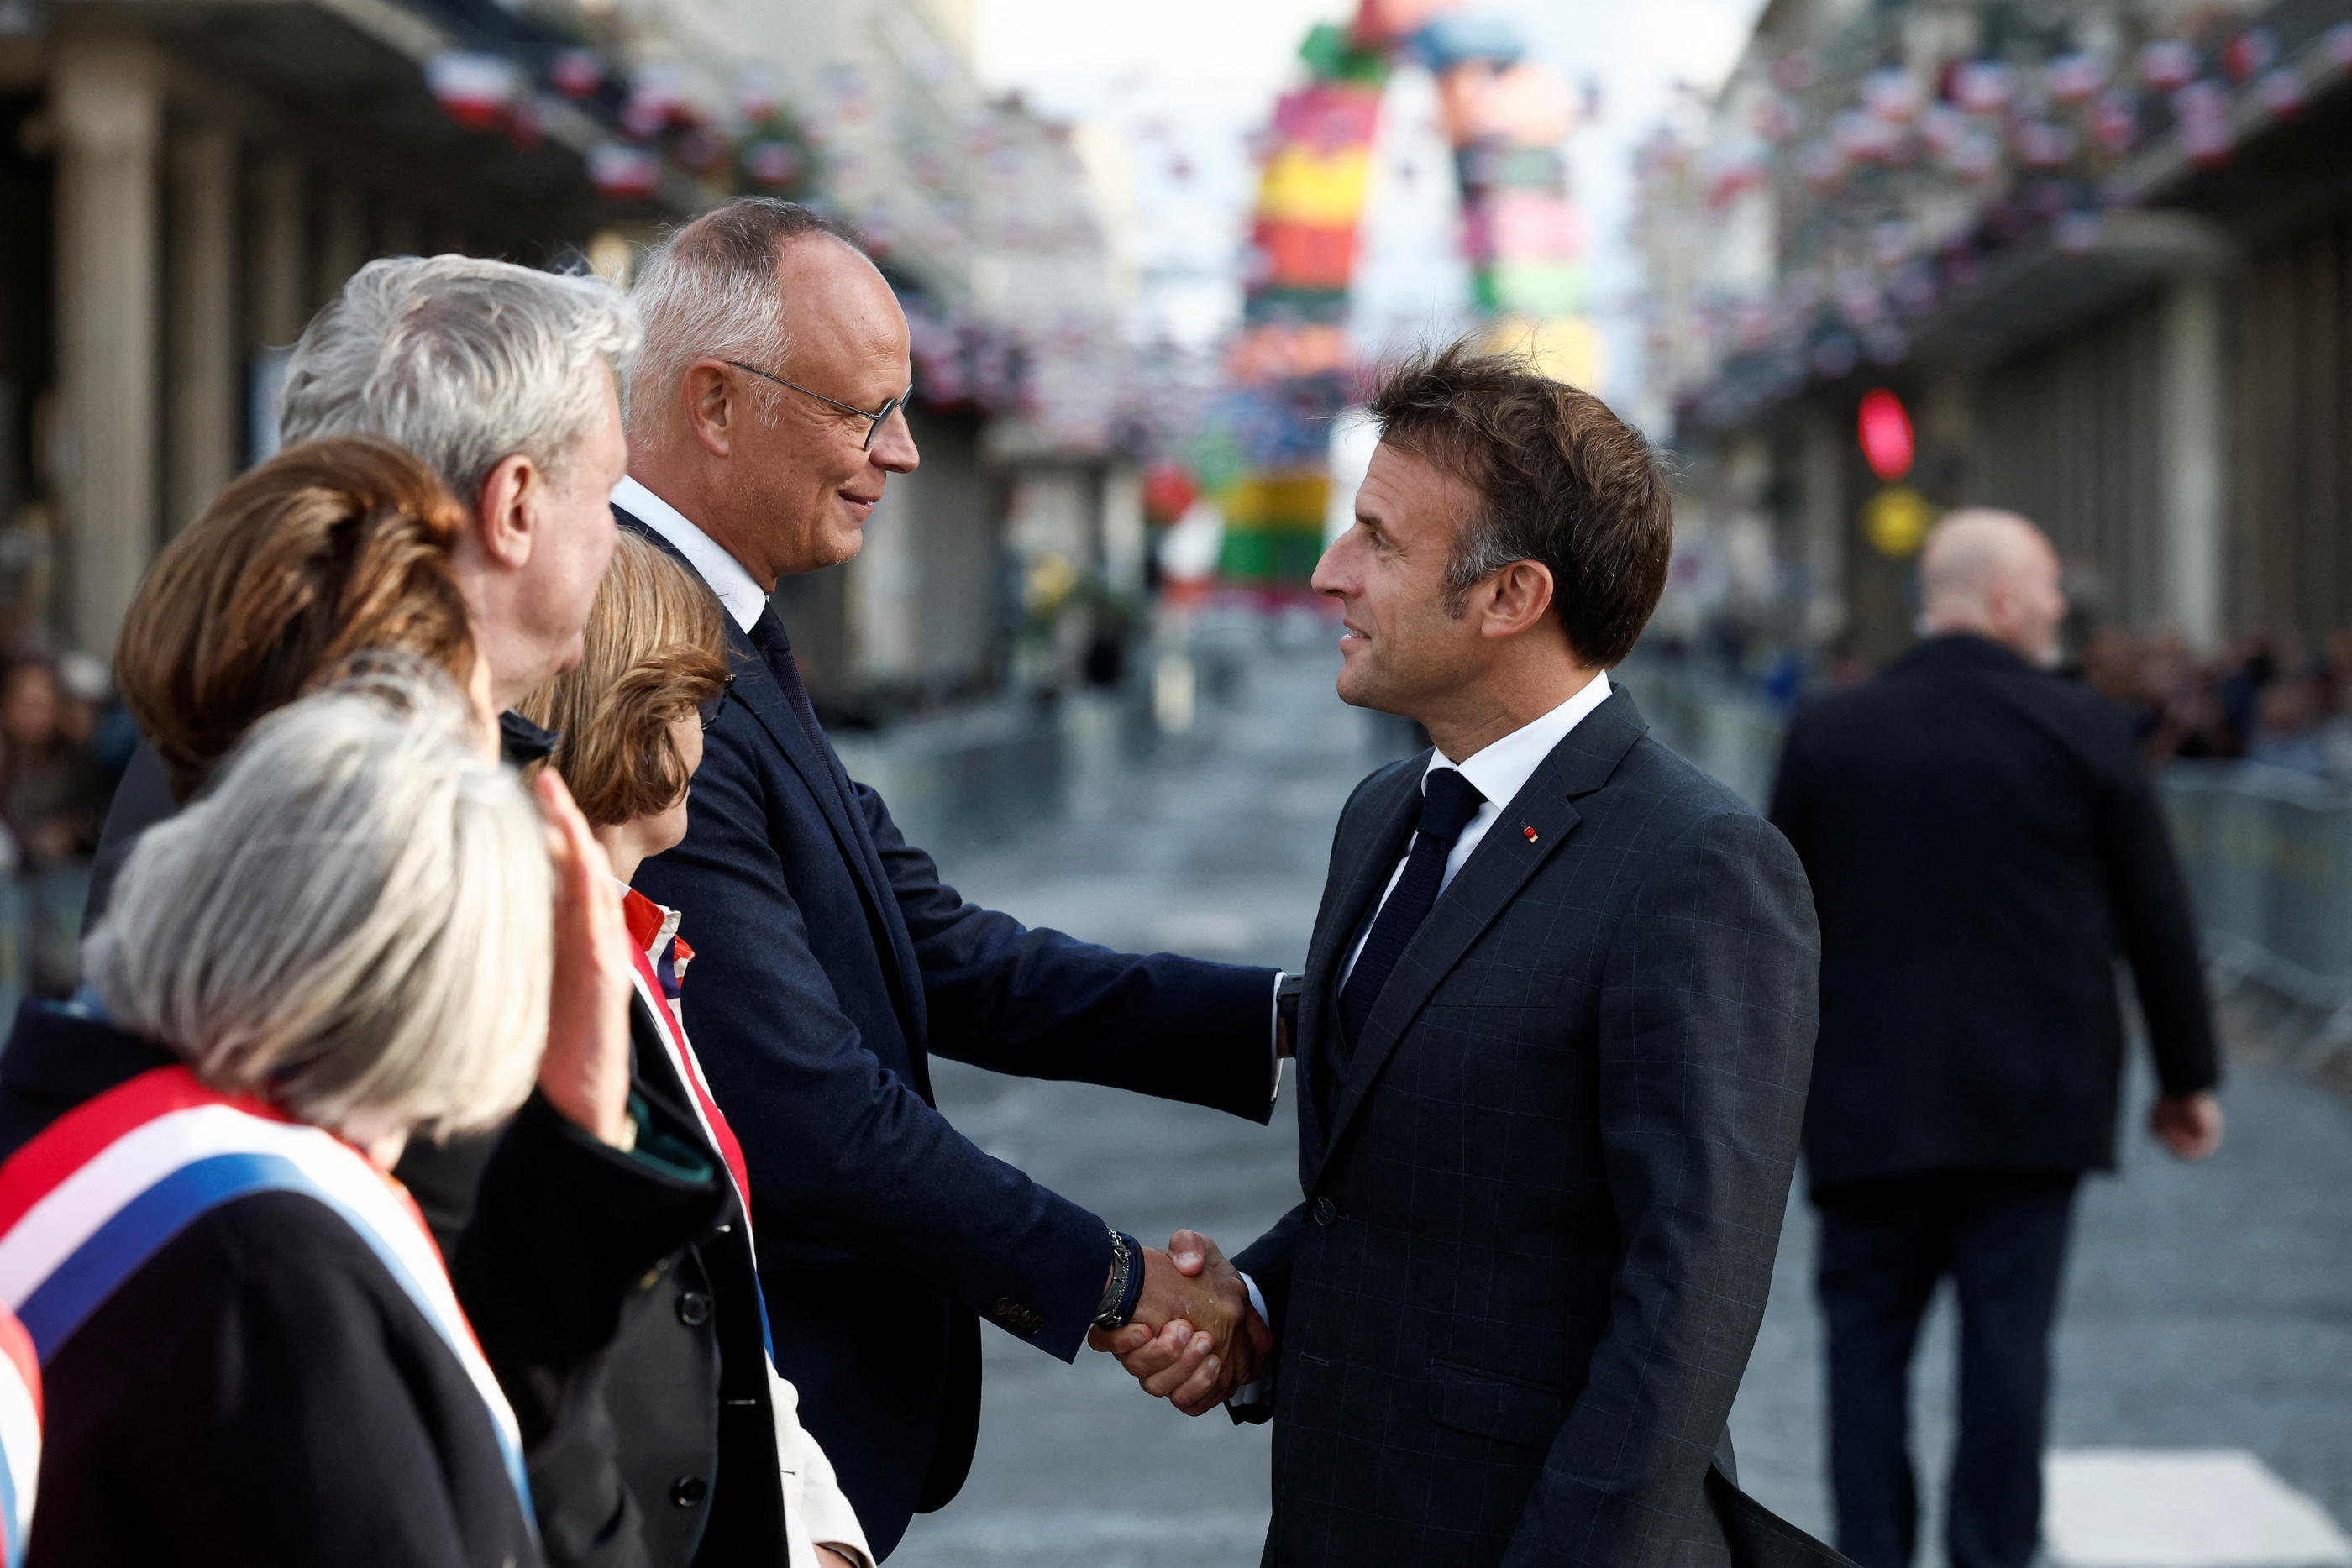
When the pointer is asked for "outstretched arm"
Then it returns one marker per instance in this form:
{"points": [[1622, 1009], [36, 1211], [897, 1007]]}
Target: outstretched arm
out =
{"points": [[1018, 999]]}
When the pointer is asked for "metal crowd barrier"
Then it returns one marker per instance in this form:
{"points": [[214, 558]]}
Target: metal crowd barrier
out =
{"points": [[2268, 857]]}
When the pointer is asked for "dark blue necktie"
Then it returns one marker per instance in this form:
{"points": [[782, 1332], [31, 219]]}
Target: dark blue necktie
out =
{"points": [[767, 635], [1448, 801]]}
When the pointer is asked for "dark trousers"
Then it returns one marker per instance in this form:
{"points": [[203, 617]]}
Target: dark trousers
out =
{"points": [[2001, 1236]]}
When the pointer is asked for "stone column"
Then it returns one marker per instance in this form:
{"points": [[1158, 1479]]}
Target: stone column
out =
{"points": [[106, 96], [1823, 509], [2193, 459], [206, 389], [342, 240], [281, 293], [398, 232]]}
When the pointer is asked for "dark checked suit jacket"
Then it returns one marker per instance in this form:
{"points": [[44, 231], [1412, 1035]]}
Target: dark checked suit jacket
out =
{"points": [[1542, 1200], [831, 961]]}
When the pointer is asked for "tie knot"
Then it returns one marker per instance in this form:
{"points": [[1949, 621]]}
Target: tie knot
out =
{"points": [[1448, 801]]}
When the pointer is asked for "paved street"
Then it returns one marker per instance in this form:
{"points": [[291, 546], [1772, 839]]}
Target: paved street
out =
{"points": [[2210, 1308]]}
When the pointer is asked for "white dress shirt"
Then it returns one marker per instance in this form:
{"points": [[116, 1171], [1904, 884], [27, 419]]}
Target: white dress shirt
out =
{"points": [[1499, 770], [723, 572]]}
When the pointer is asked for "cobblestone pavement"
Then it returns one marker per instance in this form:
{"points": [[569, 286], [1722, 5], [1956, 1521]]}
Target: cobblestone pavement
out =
{"points": [[2206, 1307]]}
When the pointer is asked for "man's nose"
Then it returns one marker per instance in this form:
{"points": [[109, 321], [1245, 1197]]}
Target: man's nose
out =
{"points": [[893, 451], [1329, 577]]}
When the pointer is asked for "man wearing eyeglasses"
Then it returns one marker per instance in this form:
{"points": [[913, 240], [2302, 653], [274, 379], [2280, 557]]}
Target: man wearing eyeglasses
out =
{"points": [[766, 416]]}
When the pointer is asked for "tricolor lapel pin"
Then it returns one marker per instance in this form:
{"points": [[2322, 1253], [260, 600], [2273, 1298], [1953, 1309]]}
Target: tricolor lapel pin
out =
{"points": [[1529, 832]]}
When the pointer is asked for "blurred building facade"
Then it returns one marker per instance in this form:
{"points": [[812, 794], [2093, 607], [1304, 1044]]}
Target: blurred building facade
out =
{"points": [[2101, 253], [183, 183]]}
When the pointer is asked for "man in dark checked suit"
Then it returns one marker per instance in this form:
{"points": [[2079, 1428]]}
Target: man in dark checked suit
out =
{"points": [[1557, 1021], [832, 960]]}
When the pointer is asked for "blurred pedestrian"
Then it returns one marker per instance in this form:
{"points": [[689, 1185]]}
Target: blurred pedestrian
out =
{"points": [[55, 796], [343, 549], [765, 418], [252, 1353], [690, 1388], [1982, 844]]}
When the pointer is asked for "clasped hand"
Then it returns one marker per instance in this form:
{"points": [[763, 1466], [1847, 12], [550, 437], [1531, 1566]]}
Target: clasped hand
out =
{"points": [[1195, 1338]]}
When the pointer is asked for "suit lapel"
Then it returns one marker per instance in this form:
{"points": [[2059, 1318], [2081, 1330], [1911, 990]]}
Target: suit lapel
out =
{"points": [[1483, 888], [755, 687], [1372, 852]]}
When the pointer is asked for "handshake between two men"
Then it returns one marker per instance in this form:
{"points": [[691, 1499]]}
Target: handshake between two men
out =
{"points": [[1195, 1339]]}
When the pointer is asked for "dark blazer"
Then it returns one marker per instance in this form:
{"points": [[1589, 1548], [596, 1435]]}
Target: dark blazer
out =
{"points": [[662, 1452], [831, 962], [1983, 843], [261, 1392], [1543, 1198]]}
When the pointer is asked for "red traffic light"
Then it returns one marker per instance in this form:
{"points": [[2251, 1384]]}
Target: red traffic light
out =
{"points": [[1885, 429]]}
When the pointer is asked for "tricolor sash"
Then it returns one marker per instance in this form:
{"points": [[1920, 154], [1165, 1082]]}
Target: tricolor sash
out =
{"points": [[105, 1186], [20, 1438]]}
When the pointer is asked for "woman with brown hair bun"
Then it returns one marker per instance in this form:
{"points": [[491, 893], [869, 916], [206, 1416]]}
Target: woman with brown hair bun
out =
{"points": [[707, 1405], [327, 551]]}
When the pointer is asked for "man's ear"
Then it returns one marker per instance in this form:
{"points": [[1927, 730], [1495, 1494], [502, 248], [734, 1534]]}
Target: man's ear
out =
{"points": [[505, 518], [1514, 599], [708, 398]]}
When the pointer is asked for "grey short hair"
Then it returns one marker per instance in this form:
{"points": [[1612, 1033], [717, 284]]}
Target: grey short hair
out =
{"points": [[353, 921], [464, 361], [709, 290]]}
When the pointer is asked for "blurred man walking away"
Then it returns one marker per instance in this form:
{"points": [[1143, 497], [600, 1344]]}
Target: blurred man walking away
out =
{"points": [[1982, 845]]}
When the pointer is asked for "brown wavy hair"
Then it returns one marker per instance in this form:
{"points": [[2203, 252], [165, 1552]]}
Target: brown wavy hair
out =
{"points": [[328, 550], [1561, 479], [656, 647]]}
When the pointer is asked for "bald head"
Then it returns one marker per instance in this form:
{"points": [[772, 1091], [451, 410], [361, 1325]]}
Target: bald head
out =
{"points": [[1992, 574]]}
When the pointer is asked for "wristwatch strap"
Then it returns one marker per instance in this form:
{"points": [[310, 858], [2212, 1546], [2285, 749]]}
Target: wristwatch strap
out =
{"points": [[1126, 1286]]}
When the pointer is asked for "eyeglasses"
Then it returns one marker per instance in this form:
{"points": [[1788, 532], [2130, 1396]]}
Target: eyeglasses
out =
{"points": [[877, 414], [708, 708]]}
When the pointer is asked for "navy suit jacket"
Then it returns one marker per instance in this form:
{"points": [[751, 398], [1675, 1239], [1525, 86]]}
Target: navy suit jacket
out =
{"points": [[830, 962], [1543, 1191], [1984, 842]]}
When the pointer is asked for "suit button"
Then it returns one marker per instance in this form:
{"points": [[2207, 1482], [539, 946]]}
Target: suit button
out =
{"points": [[1325, 1212], [694, 1308], [689, 1492]]}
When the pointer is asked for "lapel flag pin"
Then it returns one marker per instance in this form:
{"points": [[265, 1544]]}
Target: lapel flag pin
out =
{"points": [[1529, 832]]}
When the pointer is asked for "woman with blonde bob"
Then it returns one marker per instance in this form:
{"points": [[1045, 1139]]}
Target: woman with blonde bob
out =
{"points": [[709, 1403], [252, 1353]]}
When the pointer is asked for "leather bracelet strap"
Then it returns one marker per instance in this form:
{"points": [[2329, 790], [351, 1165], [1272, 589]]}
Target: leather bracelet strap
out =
{"points": [[1125, 1288]]}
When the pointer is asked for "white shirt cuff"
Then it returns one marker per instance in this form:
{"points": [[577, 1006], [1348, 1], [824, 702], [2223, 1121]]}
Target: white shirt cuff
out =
{"points": [[1260, 1389], [1274, 1040]]}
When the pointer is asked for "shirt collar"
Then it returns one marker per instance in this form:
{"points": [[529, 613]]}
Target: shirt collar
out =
{"points": [[1501, 768], [723, 572], [651, 924]]}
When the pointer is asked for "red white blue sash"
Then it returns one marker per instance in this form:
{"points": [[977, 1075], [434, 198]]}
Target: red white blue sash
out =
{"points": [[105, 1186], [20, 1438]]}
